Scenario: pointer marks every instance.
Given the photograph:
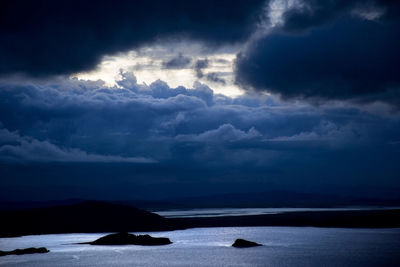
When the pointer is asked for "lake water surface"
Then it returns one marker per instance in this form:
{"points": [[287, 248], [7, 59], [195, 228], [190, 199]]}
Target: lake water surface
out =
{"points": [[283, 246]]}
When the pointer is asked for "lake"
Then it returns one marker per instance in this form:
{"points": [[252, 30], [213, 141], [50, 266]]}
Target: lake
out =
{"points": [[283, 246]]}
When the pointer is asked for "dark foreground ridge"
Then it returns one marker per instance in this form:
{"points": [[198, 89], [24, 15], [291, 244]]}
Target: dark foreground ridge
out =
{"points": [[86, 217], [24, 251], [124, 238], [241, 243], [97, 217]]}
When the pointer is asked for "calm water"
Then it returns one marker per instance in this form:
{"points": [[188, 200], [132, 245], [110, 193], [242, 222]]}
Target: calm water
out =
{"points": [[283, 246]]}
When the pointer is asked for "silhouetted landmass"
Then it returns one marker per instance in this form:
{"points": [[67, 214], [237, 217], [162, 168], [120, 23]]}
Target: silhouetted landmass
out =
{"points": [[344, 219], [24, 251], [267, 199], [241, 243], [86, 217], [124, 238], [95, 217]]}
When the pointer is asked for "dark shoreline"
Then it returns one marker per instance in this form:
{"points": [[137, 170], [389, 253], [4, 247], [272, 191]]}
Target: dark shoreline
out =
{"points": [[339, 219], [97, 217]]}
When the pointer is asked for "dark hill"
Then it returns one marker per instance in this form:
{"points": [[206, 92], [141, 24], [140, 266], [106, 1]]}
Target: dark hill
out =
{"points": [[86, 217]]}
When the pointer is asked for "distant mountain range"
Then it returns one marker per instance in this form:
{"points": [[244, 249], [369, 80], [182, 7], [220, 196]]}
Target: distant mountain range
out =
{"points": [[268, 199], [279, 199]]}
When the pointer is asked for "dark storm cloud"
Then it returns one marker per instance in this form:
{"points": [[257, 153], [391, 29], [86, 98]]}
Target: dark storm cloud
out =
{"points": [[66, 135], [186, 138], [60, 37], [347, 58], [312, 13], [177, 62], [99, 120]]}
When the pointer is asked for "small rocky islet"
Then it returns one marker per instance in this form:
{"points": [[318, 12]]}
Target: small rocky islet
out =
{"points": [[242, 243], [124, 238], [24, 251]]}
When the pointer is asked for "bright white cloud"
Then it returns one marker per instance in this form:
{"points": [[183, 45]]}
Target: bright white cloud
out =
{"points": [[147, 65]]}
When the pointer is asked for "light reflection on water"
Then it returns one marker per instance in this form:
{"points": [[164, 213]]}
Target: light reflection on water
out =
{"points": [[221, 212], [283, 246]]}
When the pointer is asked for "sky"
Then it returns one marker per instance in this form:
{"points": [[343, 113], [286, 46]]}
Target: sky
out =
{"points": [[156, 99]]}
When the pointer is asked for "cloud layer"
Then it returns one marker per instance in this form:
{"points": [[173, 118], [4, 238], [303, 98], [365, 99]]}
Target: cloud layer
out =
{"points": [[16, 148], [61, 37], [134, 138], [328, 50], [190, 138]]}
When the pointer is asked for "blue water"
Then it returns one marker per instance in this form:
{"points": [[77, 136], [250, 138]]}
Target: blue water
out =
{"points": [[283, 246]]}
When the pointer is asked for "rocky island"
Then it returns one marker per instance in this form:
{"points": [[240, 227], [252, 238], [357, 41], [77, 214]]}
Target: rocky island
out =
{"points": [[24, 251], [124, 238], [241, 243]]}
